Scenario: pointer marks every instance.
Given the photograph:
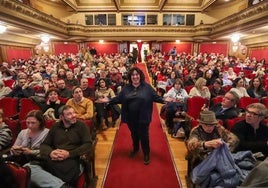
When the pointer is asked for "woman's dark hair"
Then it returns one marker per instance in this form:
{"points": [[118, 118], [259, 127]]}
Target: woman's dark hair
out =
{"points": [[101, 79], [260, 86], [139, 71], [236, 81], [39, 116]]}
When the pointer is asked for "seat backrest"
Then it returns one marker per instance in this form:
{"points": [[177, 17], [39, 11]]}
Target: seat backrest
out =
{"points": [[194, 106], [245, 101], [21, 174], [91, 82], [231, 122], [9, 83], [265, 101], [216, 100], [9, 106], [26, 105]]}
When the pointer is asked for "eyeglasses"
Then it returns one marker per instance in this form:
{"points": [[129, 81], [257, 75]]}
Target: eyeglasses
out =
{"points": [[252, 113]]}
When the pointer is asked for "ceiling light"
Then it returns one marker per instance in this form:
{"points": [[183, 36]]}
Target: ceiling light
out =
{"points": [[2, 29], [45, 38], [178, 41], [101, 41], [138, 41], [235, 37]]}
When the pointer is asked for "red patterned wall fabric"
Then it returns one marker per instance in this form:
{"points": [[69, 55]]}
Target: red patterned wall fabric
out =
{"points": [[181, 47], [60, 48], [259, 54], [214, 48], [18, 53]]}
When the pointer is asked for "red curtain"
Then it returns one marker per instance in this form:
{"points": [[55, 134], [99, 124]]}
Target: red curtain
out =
{"points": [[18, 53], [139, 51], [61, 48]]}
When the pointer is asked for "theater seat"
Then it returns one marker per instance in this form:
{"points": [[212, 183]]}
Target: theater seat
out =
{"points": [[231, 122], [245, 101], [26, 105], [9, 106], [21, 174], [194, 106]]}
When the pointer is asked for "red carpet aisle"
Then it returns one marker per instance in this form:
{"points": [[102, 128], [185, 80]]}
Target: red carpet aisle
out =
{"points": [[125, 172]]}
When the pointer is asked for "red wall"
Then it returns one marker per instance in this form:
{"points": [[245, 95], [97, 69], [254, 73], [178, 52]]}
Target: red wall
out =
{"points": [[214, 48], [102, 48], [181, 47], [259, 54], [60, 48], [18, 53]]}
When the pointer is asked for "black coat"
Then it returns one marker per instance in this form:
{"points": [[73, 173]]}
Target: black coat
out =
{"points": [[137, 103]]}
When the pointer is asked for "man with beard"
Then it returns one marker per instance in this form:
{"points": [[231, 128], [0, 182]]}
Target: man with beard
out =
{"points": [[60, 152]]}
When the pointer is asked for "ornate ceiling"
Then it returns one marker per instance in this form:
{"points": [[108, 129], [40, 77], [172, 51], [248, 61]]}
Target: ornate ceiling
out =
{"points": [[141, 5]]}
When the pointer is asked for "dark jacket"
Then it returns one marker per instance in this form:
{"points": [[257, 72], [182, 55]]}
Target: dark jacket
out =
{"points": [[251, 93], [250, 139], [226, 114], [21, 93], [137, 103]]}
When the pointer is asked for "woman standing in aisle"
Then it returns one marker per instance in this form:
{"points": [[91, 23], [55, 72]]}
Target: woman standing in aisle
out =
{"points": [[137, 106]]}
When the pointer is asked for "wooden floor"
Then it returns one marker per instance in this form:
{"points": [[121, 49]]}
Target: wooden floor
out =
{"points": [[104, 149]]}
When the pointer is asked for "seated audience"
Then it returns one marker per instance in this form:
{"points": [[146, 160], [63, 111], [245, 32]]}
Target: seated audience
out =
{"points": [[102, 109], [4, 91], [83, 107], [253, 132], [27, 144], [256, 89], [179, 98], [238, 87], [216, 89], [7, 178], [227, 108], [208, 135], [67, 140], [200, 89], [5, 133], [70, 80]]}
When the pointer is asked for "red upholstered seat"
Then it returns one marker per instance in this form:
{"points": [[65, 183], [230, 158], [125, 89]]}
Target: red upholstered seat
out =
{"points": [[9, 106], [231, 122], [194, 106], [265, 101], [9, 83], [21, 174], [216, 100], [245, 101], [26, 105]]}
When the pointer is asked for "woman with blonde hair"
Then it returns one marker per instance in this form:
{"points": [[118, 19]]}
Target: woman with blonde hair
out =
{"points": [[200, 89]]}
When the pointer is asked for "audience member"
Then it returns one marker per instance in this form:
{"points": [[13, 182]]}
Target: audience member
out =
{"points": [[227, 108], [4, 91], [70, 80], [208, 135], [63, 90], [256, 89], [216, 89], [178, 104], [5, 133], [253, 132], [200, 89], [83, 107], [87, 91], [21, 90], [66, 141], [238, 87], [27, 144], [191, 79]]}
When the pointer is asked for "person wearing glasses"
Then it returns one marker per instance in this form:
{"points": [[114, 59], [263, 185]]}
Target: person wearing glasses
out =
{"points": [[207, 136], [252, 131], [227, 108]]}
